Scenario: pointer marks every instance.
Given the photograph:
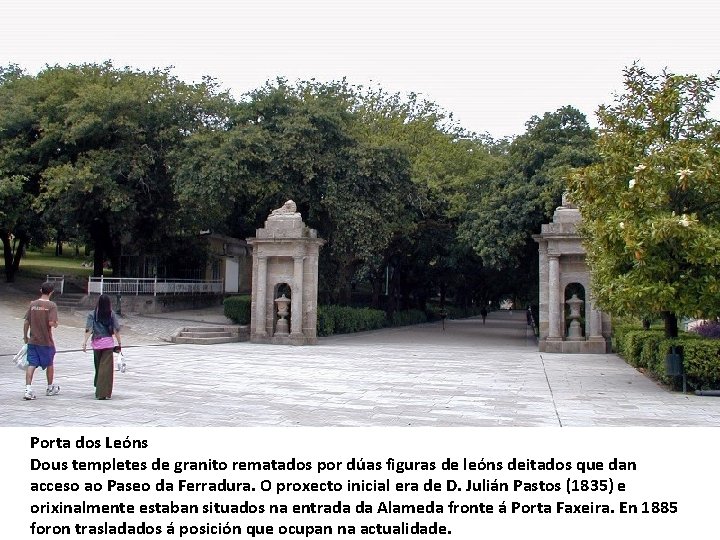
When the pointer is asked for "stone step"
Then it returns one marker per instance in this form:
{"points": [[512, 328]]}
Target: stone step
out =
{"points": [[204, 340], [69, 301], [212, 333], [205, 329], [73, 297]]}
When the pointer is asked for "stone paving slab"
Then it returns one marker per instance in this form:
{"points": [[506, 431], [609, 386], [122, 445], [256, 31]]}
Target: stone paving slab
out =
{"points": [[468, 374]]}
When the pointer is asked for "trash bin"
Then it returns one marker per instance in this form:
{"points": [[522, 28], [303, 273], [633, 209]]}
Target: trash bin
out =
{"points": [[674, 362]]}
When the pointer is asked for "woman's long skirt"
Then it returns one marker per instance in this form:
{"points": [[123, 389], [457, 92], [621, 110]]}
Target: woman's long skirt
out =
{"points": [[104, 373]]}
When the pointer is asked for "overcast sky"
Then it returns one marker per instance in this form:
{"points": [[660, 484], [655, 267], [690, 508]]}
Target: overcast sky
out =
{"points": [[493, 64]]}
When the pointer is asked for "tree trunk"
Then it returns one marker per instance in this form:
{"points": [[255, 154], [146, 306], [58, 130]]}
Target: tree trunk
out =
{"points": [[671, 324], [7, 253], [19, 252], [115, 251], [98, 258], [12, 255], [101, 245]]}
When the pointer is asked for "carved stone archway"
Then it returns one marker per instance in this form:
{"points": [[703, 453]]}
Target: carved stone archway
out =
{"points": [[285, 252], [562, 262]]}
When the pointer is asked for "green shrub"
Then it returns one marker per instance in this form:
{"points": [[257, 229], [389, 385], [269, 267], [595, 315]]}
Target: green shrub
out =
{"points": [[408, 317], [702, 363], [325, 321], [701, 360], [452, 312], [629, 343], [237, 308], [346, 320], [351, 320], [619, 336], [648, 348]]}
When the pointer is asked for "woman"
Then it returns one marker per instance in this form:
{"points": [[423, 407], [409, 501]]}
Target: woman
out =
{"points": [[102, 324]]}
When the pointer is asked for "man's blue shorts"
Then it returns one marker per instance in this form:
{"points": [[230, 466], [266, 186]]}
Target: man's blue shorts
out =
{"points": [[40, 355]]}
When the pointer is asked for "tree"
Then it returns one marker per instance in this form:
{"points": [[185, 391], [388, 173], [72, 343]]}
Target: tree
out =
{"points": [[301, 143], [92, 144], [651, 205], [509, 202], [525, 188], [425, 257], [20, 169]]}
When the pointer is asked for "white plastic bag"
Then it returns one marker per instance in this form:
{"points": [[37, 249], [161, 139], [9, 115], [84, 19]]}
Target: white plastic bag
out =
{"points": [[120, 363], [20, 359]]}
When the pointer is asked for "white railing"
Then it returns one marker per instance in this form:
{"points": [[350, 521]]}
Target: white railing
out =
{"points": [[153, 286], [57, 281]]}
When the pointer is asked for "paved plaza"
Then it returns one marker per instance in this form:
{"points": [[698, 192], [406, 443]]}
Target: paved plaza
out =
{"points": [[467, 374]]}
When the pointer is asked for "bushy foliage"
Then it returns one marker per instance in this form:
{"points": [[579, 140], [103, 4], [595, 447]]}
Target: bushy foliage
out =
{"points": [[346, 320], [651, 232], [237, 308], [522, 191], [408, 317], [634, 343], [652, 352], [708, 329], [452, 312], [648, 348], [702, 362]]}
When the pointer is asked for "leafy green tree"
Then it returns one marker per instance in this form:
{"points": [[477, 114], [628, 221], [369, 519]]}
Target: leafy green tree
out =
{"points": [[99, 150], [16, 222], [446, 162], [299, 142], [21, 222], [651, 205], [278, 145], [512, 201]]}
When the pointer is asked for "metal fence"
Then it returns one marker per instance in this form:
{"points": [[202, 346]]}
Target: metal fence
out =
{"points": [[152, 286], [57, 281]]}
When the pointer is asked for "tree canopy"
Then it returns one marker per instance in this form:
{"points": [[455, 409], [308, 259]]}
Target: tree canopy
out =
{"points": [[409, 202], [526, 186], [91, 144], [651, 205]]}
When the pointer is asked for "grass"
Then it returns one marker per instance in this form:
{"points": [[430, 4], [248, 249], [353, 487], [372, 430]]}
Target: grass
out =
{"points": [[44, 262]]}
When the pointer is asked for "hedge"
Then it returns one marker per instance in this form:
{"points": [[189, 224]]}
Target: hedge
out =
{"points": [[702, 362], [333, 319], [345, 320], [452, 312], [629, 341], [237, 308], [408, 317], [648, 348]]}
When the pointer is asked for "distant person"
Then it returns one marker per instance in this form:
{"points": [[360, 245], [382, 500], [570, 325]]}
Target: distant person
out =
{"points": [[40, 319], [483, 314], [102, 325], [529, 316]]}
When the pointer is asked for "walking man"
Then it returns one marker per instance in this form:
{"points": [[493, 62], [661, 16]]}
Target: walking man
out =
{"points": [[40, 319]]}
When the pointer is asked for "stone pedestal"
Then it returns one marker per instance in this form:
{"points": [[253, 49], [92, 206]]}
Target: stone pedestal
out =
{"points": [[282, 326], [575, 331], [285, 257]]}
